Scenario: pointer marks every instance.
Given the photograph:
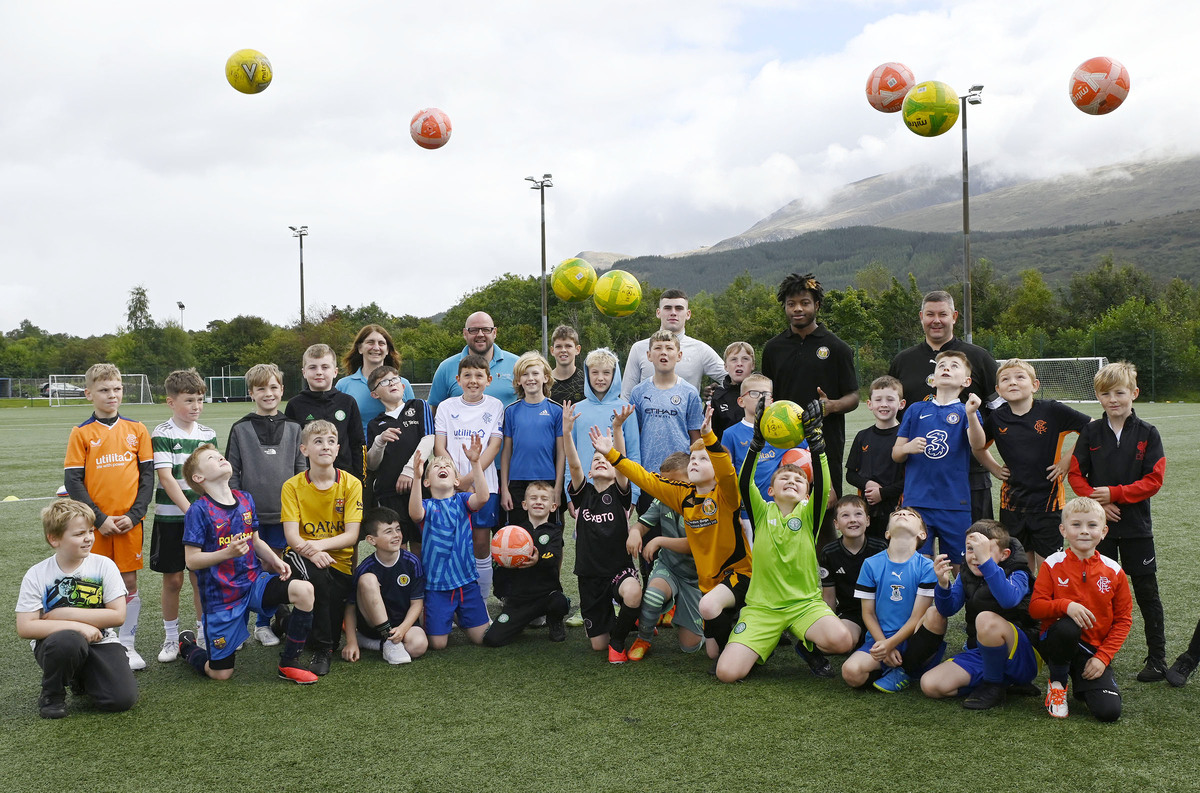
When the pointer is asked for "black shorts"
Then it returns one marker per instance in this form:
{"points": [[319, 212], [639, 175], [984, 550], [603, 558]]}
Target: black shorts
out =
{"points": [[398, 502], [519, 612], [1136, 554], [596, 596], [166, 547], [1037, 531], [738, 584]]}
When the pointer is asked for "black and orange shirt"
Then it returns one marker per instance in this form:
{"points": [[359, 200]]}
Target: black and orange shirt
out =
{"points": [[710, 519], [1132, 467], [1031, 443]]}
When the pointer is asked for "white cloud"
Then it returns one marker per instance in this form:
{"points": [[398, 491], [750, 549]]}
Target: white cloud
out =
{"points": [[126, 159]]}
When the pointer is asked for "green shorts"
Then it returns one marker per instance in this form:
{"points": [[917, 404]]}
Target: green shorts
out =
{"points": [[759, 628], [686, 595]]}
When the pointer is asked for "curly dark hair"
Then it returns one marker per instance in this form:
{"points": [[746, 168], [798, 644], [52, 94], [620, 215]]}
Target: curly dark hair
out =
{"points": [[795, 283]]}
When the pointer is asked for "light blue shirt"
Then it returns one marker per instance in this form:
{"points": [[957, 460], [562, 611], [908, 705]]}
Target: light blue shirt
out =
{"points": [[445, 385]]}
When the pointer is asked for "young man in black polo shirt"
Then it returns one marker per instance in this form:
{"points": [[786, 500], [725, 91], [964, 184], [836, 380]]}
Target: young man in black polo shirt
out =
{"points": [[914, 369], [808, 362]]}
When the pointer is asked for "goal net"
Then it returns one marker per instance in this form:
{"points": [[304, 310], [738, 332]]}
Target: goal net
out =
{"points": [[68, 389], [1067, 379], [225, 389]]}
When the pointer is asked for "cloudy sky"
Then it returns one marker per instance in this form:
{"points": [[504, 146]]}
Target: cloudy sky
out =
{"points": [[125, 157]]}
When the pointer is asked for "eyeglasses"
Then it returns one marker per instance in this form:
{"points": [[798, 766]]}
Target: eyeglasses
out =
{"points": [[479, 330], [391, 381], [758, 394]]}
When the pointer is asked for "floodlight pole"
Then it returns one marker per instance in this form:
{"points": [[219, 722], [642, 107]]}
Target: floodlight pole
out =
{"points": [[301, 232], [181, 308], [540, 185], [972, 97]]}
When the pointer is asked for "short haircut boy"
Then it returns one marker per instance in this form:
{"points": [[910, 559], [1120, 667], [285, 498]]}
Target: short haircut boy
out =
{"points": [[101, 372], [380, 373], [886, 381], [1017, 363], [60, 513], [261, 374], [473, 361], [193, 462], [664, 335], [1119, 374], [851, 500], [336, 407], [676, 461], [738, 346], [601, 356], [962, 356], [318, 427], [316, 352], [376, 518], [755, 379], [564, 332]]}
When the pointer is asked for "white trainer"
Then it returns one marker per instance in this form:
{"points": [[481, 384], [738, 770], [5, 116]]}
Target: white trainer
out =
{"points": [[136, 662], [169, 652], [394, 653], [265, 636]]}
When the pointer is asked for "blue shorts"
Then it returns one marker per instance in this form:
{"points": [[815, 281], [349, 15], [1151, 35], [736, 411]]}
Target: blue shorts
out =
{"points": [[949, 526], [869, 642], [225, 630], [1022, 666], [441, 606], [272, 535], [487, 516]]}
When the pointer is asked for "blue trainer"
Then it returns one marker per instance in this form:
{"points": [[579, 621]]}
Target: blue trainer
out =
{"points": [[895, 679]]}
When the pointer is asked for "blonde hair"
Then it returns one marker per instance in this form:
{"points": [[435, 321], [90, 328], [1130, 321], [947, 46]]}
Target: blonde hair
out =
{"points": [[98, 372], [1114, 375], [755, 377], [600, 356], [318, 427], [664, 335], [56, 517], [259, 375], [954, 354], [316, 352], [524, 364], [738, 346], [193, 462], [1017, 363], [438, 458], [1083, 504]]}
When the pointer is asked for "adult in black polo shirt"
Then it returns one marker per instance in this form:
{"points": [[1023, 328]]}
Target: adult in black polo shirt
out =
{"points": [[914, 369], [808, 362]]}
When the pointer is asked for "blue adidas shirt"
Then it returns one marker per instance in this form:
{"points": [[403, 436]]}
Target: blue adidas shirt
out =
{"points": [[533, 430]]}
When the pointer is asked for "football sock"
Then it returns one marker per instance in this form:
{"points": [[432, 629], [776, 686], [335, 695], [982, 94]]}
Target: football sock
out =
{"points": [[133, 608], [484, 568], [652, 606], [922, 647], [299, 624], [994, 659], [195, 655], [626, 616], [171, 628], [383, 630]]}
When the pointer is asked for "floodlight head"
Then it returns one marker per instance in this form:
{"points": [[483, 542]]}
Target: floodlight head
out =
{"points": [[974, 99], [976, 89], [180, 304], [293, 228], [530, 179], [545, 176]]}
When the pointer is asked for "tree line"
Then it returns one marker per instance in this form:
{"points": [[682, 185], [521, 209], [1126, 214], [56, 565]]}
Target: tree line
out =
{"points": [[1117, 311]]}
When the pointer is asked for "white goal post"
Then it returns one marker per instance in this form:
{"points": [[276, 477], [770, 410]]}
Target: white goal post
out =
{"points": [[68, 390], [1067, 379], [225, 389]]}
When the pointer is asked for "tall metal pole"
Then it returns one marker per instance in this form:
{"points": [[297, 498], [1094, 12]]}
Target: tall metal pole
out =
{"points": [[301, 232], [540, 185], [966, 179], [972, 97], [545, 332]]}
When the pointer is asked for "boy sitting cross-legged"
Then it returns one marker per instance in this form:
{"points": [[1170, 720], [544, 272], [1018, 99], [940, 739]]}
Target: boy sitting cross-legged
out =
{"points": [[388, 595], [842, 560], [896, 588], [994, 586], [447, 549], [222, 545], [785, 593]]}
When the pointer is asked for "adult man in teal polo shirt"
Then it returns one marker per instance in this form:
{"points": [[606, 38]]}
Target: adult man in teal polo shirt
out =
{"points": [[480, 335]]}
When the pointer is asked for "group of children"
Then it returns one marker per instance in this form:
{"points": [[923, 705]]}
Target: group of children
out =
{"points": [[724, 546]]}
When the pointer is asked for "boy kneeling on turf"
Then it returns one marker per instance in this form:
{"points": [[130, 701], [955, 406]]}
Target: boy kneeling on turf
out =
{"points": [[994, 586], [222, 546], [388, 594], [785, 592]]}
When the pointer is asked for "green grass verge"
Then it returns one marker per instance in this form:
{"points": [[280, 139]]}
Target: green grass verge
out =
{"points": [[545, 716]]}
